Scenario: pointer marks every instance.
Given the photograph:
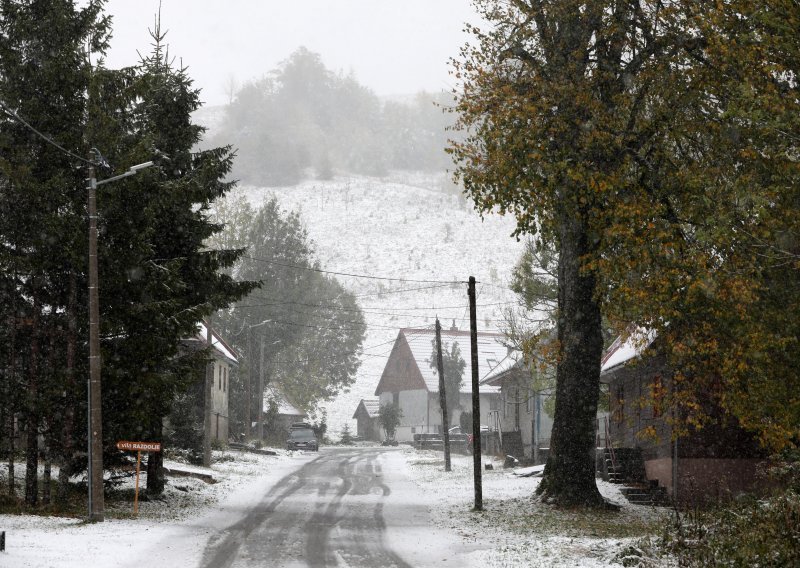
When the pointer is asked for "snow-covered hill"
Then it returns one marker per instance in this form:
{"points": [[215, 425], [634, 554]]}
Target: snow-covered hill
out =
{"points": [[402, 227]]}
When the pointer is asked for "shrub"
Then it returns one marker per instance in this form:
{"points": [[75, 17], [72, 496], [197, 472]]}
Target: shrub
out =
{"points": [[748, 532]]}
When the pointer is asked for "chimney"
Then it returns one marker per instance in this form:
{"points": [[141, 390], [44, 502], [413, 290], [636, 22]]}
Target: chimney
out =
{"points": [[454, 328]]}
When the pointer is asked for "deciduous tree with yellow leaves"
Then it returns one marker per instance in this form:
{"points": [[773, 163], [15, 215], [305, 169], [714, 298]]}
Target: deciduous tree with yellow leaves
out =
{"points": [[628, 133]]}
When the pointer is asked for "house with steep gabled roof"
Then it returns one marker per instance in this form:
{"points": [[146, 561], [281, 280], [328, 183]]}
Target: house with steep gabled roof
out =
{"points": [[409, 380]]}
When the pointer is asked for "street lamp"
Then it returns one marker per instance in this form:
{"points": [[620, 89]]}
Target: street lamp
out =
{"points": [[94, 409]]}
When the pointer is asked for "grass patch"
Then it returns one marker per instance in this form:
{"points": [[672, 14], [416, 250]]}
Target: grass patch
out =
{"points": [[528, 516]]}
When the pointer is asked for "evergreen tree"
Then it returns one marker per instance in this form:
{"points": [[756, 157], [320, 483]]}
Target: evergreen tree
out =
{"points": [[166, 281], [157, 280], [45, 71]]}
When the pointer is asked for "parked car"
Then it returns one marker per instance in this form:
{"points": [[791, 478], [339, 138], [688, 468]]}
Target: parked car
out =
{"points": [[302, 439], [459, 430]]}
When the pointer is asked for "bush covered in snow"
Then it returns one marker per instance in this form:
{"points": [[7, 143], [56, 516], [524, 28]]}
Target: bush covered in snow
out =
{"points": [[749, 531]]}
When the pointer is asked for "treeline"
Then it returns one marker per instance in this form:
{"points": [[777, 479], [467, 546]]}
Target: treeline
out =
{"points": [[61, 112], [303, 120]]}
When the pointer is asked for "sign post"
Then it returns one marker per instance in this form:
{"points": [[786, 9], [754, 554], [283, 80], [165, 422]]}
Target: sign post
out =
{"points": [[138, 447]]}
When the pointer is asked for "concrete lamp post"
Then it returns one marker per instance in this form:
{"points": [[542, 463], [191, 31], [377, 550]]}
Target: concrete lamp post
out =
{"points": [[94, 407]]}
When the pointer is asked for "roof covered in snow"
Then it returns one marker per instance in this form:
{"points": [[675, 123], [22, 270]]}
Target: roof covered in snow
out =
{"points": [[372, 406], [625, 348], [285, 408], [221, 348], [513, 359], [419, 343]]}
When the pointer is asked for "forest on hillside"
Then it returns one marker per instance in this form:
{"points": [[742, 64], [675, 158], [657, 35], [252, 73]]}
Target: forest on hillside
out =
{"points": [[303, 120]]}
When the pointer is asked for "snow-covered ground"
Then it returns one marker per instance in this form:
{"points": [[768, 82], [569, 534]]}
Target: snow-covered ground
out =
{"points": [[403, 226], [513, 530], [168, 532]]}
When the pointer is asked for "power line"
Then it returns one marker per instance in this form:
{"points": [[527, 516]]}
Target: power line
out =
{"points": [[351, 275], [44, 137], [325, 312], [269, 302]]}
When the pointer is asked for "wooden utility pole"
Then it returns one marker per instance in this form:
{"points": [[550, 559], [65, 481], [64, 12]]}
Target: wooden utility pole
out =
{"points": [[94, 414], [248, 387], [443, 397], [476, 401], [208, 393], [260, 393]]}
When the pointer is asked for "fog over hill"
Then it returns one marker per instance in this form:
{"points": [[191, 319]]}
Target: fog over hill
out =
{"points": [[402, 226]]}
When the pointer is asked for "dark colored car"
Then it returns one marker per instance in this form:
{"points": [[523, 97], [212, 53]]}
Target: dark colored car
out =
{"points": [[302, 439]]}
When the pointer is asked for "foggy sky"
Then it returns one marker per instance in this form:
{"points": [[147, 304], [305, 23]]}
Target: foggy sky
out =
{"points": [[392, 46]]}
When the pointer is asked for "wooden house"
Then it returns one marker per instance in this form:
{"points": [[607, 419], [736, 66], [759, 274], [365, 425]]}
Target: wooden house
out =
{"points": [[718, 459], [409, 380]]}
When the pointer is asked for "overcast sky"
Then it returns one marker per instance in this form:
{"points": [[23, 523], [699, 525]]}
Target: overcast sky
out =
{"points": [[392, 46]]}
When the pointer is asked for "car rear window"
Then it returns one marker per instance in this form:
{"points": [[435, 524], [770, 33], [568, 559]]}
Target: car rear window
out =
{"points": [[302, 435]]}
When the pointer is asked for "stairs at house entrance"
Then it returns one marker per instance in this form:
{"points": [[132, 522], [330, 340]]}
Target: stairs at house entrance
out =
{"points": [[625, 466]]}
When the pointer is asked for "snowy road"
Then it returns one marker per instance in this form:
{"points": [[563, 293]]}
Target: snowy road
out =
{"points": [[337, 510]]}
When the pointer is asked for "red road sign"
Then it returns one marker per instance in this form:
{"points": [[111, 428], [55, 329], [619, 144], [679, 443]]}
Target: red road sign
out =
{"points": [[140, 446]]}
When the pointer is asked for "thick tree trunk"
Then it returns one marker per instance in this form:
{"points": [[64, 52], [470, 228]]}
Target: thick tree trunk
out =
{"points": [[155, 463], [12, 371], [46, 477], [32, 422], [11, 449], [569, 475], [67, 442]]}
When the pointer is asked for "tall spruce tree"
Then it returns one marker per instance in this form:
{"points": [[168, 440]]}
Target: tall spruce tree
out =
{"points": [[157, 279], [45, 70], [165, 281]]}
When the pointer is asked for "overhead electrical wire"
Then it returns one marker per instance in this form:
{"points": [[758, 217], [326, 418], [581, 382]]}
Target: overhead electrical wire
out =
{"points": [[352, 275], [41, 135], [269, 302]]}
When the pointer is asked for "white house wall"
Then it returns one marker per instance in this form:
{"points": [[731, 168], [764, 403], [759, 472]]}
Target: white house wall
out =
{"points": [[219, 400]]}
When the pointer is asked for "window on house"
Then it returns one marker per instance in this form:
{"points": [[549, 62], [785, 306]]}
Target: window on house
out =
{"points": [[225, 379], [529, 402], [396, 398]]}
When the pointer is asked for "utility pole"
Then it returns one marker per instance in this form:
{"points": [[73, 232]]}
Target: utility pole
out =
{"points": [[476, 400], [208, 393], [248, 388], [94, 413], [260, 394], [443, 397], [94, 410]]}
